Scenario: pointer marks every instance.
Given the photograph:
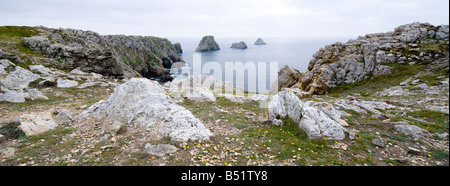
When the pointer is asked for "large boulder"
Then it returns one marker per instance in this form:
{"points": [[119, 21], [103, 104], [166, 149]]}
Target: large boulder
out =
{"points": [[318, 120], [200, 94], [36, 123], [287, 77], [142, 102], [207, 44], [19, 79]]}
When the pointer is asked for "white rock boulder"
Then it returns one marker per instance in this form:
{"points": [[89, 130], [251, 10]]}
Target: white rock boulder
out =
{"points": [[144, 103], [65, 83], [318, 120], [19, 79], [36, 123]]}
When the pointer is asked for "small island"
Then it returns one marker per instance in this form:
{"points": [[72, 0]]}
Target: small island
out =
{"points": [[259, 41], [207, 44], [240, 45]]}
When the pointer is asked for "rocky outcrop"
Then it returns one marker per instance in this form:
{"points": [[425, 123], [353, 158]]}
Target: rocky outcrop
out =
{"points": [[318, 120], [19, 79], [110, 55], [369, 55], [259, 41], [14, 87], [144, 103], [287, 77], [178, 48], [207, 44], [240, 45]]}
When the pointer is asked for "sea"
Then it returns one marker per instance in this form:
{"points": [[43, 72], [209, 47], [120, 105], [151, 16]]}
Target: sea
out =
{"points": [[278, 52]]}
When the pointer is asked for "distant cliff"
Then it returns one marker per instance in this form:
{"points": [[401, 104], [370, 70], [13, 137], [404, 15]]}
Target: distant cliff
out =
{"points": [[110, 55]]}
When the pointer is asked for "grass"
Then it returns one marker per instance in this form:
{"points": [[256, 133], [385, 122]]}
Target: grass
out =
{"points": [[11, 130], [374, 84], [16, 33], [439, 120]]}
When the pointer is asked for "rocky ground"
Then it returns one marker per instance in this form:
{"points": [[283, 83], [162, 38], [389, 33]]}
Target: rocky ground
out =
{"points": [[242, 134]]}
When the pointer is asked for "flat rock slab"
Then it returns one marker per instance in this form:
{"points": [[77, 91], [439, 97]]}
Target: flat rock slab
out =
{"points": [[36, 123], [410, 130], [160, 149]]}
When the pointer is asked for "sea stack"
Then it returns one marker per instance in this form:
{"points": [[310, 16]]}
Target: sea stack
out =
{"points": [[207, 44], [240, 45], [259, 41]]}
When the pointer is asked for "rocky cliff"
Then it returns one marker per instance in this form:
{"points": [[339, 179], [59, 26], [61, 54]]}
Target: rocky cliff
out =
{"points": [[373, 55], [110, 55]]}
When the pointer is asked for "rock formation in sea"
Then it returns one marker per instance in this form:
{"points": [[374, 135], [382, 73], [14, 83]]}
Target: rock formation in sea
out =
{"points": [[259, 41], [207, 44], [240, 45]]}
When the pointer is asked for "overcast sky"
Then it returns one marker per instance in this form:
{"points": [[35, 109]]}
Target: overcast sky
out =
{"points": [[225, 18]]}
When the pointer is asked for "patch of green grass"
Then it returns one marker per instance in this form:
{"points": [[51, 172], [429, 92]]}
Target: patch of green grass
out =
{"points": [[374, 84], [363, 141], [11, 130], [32, 103], [400, 138], [440, 120], [16, 33], [439, 154]]}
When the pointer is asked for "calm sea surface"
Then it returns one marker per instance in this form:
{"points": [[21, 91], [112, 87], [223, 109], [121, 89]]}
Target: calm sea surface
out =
{"points": [[293, 52]]}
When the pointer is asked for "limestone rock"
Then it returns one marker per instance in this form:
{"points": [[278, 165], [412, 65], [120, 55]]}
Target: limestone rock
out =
{"points": [[160, 149], [19, 79], [378, 142], [260, 97], [12, 96], [420, 86], [34, 94], [207, 44], [311, 117], [366, 56], [259, 41], [394, 91], [287, 77], [200, 94], [142, 102], [240, 45], [410, 130], [64, 117], [66, 83], [36, 123]]}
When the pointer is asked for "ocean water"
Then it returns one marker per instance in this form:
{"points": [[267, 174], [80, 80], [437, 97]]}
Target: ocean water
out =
{"points": [[280, 51]]}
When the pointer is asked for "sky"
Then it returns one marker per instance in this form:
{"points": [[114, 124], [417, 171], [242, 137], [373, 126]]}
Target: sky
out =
{"points": [[225, 18]]}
